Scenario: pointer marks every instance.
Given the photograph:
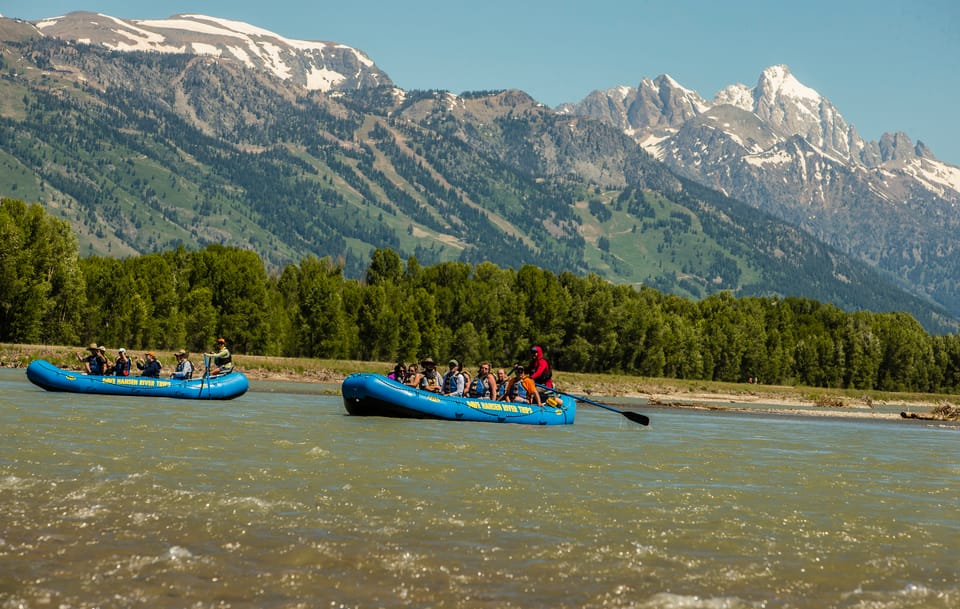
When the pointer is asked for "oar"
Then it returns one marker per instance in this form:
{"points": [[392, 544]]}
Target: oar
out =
{"points": [[636, 417], [206, 373]]}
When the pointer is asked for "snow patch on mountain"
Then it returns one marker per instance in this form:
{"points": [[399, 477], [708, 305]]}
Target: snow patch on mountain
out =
{"points": [[936, 176], [313, 64], [782, 81]]}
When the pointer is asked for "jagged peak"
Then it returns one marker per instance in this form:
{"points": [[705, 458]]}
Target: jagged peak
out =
{"points": [[739, 95], [777, 81]]}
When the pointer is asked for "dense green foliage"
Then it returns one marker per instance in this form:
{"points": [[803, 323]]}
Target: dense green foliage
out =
{"points": [[402, 310], [144, 152]]}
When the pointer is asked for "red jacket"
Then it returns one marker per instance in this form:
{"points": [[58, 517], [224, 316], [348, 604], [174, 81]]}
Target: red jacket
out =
{"points": [[539, 368]]}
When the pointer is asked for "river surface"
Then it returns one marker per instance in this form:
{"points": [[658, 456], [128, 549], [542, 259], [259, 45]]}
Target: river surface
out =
{"points": [[278, 499]]}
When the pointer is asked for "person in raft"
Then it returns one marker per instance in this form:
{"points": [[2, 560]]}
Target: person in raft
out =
{"points": [[520, 383], [539, 368], [94, 362], [150, 366], [184, 370], [453, 382], [121, 367], [485, 385], [221, 362], [431, 379]]}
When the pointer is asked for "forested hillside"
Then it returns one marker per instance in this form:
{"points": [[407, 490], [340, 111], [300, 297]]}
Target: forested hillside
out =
{"points": [[142, 153], [402, 310]]}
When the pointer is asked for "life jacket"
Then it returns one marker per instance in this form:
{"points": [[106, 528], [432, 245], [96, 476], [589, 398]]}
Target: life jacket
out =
{"points": [[479, 389], [429, 380], [97, 364], [545, 376], [513, 390], [122, 367], [450, 382], [223, 361], [181, 366], [521, 391]]}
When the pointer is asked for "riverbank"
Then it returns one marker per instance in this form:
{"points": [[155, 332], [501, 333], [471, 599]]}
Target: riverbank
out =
{"points": [[660, 393]]}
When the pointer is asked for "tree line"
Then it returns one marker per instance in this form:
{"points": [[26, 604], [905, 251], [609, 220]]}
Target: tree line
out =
{"points": [[403, 311]]}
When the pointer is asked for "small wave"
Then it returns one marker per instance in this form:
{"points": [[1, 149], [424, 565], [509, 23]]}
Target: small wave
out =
{"points": [[911, 596], [666, 600], [13, 483], [179, 553]]}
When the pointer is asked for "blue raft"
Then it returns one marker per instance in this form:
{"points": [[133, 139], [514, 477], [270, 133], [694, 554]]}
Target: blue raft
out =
{"points": [[367, 394], [223, 387]]}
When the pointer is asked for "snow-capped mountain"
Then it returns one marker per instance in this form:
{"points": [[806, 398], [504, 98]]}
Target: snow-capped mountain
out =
{"points": [[779, 146], [319, 66], [778, 108], [782, 147]]}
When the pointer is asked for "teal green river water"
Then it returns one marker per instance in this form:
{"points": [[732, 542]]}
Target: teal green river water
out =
{"points": [[279, 499]]}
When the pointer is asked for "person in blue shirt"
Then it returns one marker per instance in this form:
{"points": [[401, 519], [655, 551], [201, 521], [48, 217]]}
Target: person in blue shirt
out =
{"points": [[149, 367]]}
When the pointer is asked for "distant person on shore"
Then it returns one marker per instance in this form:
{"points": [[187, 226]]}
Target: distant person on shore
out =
{"points": [[184, 369], [221, 362], [149, 366], [94, 362], [121, 367]]}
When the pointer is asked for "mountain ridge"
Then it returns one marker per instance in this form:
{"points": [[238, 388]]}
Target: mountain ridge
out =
{"points": [[783, 148], [168, 149]]}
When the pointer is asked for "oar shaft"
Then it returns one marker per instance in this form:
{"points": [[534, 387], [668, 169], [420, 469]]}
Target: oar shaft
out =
{"points": [[633, 416]]}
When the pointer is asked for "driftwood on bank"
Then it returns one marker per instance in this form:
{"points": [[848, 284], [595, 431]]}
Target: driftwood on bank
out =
{"points": [[943, 412]]}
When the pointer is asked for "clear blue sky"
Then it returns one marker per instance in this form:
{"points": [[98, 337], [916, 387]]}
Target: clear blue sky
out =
{"points": [[886, 65]]}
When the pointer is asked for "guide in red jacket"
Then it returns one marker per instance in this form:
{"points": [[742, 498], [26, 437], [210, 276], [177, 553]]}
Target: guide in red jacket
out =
{"points": [[539, 368]]}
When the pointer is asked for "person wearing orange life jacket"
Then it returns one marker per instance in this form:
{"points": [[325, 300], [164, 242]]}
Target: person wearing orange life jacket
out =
{"points": [[519, 384]]}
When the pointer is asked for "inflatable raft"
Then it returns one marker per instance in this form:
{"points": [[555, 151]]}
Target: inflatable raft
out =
{"points": [[223, 387], [366, 394]]}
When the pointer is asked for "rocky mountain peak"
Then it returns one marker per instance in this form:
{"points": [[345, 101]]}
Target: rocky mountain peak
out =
{"points": [[792, 108], [783, 147], [738, 95]]}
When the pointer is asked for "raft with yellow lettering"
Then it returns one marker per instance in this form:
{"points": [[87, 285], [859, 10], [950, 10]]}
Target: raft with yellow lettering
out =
{"points": [[366, 394], [223, 387]]}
